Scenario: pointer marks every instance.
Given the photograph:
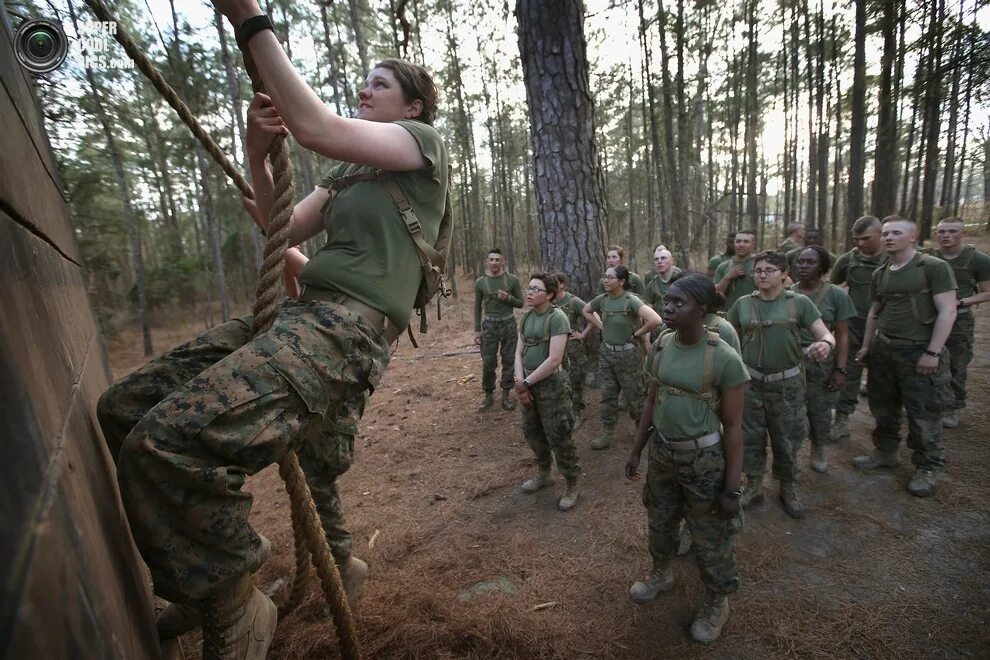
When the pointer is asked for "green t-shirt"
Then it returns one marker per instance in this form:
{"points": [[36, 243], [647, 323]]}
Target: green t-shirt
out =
{"points": [[573, 307], [657, 288], [717, 261], [635, 281], [833, 303], [773, 344], [486, 300], [620, 316], [369, 254], [726, 332], [536, 342], [787, 246], [970, 267], [904, 317], [680, 417], [739, 287], [855, 270]]}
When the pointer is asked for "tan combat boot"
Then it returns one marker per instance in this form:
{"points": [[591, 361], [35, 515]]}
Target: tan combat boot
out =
{"points": [[239, 623], [791, 500], [651, 585], [840, 429], [352, 574], [570, 498], [818, 460], [950, 421], [487, 402], [684, 541], [711, 618], [877, 459], [541, 480], [923, 483], [507, 402], [753, 493], [604, 441]]}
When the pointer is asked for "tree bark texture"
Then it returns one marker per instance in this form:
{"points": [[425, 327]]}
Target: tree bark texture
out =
{"points": [[567, 177]]}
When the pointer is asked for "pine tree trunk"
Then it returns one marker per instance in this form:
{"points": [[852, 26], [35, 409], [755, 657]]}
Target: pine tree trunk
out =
{"points": [[933, 119], [358, 30], [857, 130], [570, 193], [884, 158]]}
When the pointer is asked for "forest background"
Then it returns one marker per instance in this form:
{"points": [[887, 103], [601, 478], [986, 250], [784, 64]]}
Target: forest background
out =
{"points": [[707, 117]]}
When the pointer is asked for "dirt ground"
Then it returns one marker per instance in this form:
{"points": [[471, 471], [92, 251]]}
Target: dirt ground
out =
{"points": [[871, 572]]}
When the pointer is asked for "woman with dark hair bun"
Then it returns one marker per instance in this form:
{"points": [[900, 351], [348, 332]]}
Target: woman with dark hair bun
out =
{"points": [[713, 321], [625, 322], [823, 380], [692, 419]]}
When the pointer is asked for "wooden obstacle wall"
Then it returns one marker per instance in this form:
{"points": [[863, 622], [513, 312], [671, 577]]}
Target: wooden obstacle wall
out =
{"points": [[72, 582]]}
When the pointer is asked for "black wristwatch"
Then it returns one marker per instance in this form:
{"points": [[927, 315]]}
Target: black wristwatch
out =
{"points": [[251, 27], [962, 304], [930, 353], [842, 370], [733, 494], [525, 381]]}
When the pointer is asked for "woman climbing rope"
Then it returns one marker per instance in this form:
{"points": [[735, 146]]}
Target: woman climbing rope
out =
{"points": [[182, 466]]}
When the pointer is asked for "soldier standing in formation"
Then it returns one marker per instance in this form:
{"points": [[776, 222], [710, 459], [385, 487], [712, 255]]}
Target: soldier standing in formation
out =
{"points": [[615, 256], [769, 322], [795, 238], [730, 251], [855, 270], [664, 271], [577, 355], [692, 419], [910, 319], [496, 295], [824, 380], [544, 389], [734, 278], [625, 322], [972, 271]]}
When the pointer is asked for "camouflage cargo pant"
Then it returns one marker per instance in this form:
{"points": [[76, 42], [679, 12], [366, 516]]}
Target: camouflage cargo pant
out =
{"points": [[620, 370], [684, 485], [182, 467], [895, 384], [776, 409], [577, 370], [960, 346], [547, 424], [498, 337], [849, 397], [819, 400]]}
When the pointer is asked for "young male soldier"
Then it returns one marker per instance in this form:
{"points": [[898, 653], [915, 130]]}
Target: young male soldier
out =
{"points": [[855, 270], [914, 307], [577, 353], [495, 295], [972, 270], [730, 251], [795, 238], [664, 272], [615, 256], [734, 278]]}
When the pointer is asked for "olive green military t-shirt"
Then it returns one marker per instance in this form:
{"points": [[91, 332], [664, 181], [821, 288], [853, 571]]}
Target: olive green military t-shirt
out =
{"points": [[573, 307], [486, 300], [534, 327], [833, 303], [855, 270], [726, 332], [620, 316], [369, 254], [683, 367], [656, 290], [635, 281], [787, 246], [969, 278], [739, 287], [717, 261], [772, 348], [898, 319]]}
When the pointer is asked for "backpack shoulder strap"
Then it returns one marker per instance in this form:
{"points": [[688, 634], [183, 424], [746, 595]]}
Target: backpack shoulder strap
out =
{"points": [[711, 349]]}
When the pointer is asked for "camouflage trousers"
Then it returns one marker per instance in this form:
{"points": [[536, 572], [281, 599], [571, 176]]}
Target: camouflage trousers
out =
{"points": [[547, 424], [577, 370], [776, 409], [498, 337], [620, 370], [685, 485], [849, 397], [895, 384], [819, 399], [960, 346], [182, 466]]}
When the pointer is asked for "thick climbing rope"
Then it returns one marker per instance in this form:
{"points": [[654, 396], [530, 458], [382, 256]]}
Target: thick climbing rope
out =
{"points": [[306, 524]]}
